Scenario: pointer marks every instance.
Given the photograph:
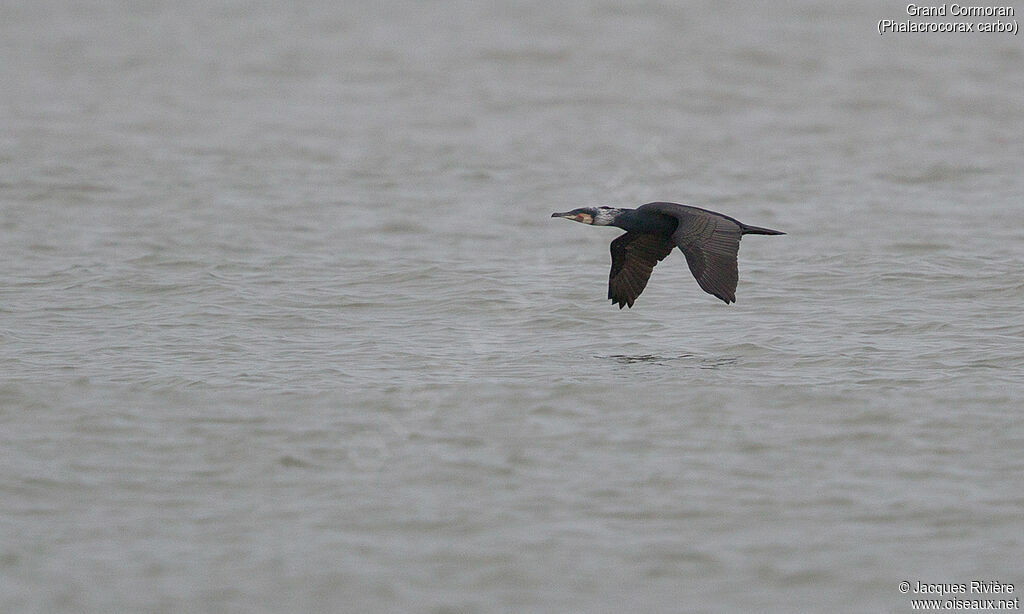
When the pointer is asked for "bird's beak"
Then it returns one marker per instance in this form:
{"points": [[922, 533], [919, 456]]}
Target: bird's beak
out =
{"points": [[582, 218]]}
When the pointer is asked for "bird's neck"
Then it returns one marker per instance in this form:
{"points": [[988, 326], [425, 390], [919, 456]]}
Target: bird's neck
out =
{"points": [[635, 221], [626, 219]]}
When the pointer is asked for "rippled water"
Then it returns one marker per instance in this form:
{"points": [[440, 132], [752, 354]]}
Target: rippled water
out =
{"points": [[285, 324]]}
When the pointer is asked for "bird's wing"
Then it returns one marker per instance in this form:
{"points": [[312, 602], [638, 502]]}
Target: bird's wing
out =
{"points": [[711, 244], [710, 241], [634, 255]]}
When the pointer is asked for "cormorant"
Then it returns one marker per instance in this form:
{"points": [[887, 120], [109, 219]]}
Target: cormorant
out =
{"points": [[709, 240]]}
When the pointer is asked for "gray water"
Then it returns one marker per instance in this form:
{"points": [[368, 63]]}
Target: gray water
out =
{"points": [[285, 325]]}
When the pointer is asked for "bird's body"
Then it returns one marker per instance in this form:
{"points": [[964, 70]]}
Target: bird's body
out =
{"points": [[710, 241]]}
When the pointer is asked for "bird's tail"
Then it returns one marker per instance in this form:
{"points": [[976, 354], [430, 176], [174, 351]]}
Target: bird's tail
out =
{"points": [[757, 230]]}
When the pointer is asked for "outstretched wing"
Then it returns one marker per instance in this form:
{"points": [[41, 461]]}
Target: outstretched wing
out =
{"points": [[710, 241], [711, 245], [634, 255]]}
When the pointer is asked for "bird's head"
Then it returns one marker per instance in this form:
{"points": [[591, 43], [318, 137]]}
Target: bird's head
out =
{"points": [[598, 216]]}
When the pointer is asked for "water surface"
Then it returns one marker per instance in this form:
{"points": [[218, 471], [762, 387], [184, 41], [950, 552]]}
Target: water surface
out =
{"points": [[285, 324]]}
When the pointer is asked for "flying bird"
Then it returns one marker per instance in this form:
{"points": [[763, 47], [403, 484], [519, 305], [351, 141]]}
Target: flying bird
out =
{"points": [[709, 240]]}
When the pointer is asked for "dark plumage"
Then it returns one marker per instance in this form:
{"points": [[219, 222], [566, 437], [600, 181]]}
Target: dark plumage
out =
{"points": [[710, 241]]}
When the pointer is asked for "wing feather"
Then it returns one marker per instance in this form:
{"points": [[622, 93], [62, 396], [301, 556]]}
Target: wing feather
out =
{"points": [[711, 246], [634, 256], [711, 242]]}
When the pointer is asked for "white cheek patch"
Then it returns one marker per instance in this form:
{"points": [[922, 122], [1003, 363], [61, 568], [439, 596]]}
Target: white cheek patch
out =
{"points": [[605, 217]]}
